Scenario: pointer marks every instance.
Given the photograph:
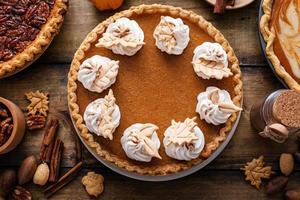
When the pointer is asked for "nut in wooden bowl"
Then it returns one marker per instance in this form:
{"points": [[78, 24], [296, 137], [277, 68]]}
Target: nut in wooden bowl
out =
{"points": [[12, 125]]}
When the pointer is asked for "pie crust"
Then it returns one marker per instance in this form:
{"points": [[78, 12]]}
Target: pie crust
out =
{"points": [[91, 39], [269, 36], [39, 45]]}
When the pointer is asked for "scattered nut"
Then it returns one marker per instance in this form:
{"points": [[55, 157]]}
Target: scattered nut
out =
{"points": [[293, 194], [35, 122], [41, 174], [277, 184], [286, 163], [27, 170], [93, 183], [297, 157], [6, 124], [21, 193], [277, 132], [8, 180]]}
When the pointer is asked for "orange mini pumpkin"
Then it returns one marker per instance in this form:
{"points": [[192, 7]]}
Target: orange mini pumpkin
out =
{"points": [[107, 4]]}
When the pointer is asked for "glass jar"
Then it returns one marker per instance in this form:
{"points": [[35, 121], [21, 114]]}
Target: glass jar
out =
{"points": [[261, 113]]}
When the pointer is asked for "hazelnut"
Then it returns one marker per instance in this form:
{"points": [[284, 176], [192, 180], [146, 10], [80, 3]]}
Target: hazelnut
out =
{"points": [[41, 174]]}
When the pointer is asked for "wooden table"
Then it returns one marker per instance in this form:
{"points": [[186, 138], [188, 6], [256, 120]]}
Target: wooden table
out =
{"points": [[222, 179]]}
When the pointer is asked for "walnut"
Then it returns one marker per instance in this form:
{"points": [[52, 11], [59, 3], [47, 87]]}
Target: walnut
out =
{"points": [[93, 183], [38, 103]]}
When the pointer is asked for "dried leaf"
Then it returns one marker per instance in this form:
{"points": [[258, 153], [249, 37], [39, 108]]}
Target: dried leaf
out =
{"points": [[39, 104], [255, 171]]}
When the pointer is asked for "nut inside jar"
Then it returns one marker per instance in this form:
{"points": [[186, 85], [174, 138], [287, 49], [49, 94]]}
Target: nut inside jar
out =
{"points": [[6, 124]]}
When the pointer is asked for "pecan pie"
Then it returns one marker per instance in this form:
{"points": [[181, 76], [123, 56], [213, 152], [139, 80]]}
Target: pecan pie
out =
{"points": [[150, 125], [26, 29], [280, 27]]}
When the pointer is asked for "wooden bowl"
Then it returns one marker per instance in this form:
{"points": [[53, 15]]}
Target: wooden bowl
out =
{"points": [[19, 126]]}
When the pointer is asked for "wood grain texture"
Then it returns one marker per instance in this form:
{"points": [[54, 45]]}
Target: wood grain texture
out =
{"points": [[238, 26], [201, 185], [52, 78], [222, 179]]}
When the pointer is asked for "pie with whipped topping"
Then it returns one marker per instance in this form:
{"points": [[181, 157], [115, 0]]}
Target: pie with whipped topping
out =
{"points": [[280, 27], [26, 30], [154, 89]]}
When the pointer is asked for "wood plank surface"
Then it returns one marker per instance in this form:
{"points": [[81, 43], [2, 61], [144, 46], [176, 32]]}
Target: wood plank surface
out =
{"points": [[222, 179], [201, 185], [52, 78], [238, 26]]}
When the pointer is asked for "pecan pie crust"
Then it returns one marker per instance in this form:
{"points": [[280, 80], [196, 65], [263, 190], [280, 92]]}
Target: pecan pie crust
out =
{"points": [[270, 36], [160, 167], [37, 23]]}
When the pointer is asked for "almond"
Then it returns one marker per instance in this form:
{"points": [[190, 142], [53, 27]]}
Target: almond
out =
{"points": [[8, 181], [41, 175], [286, 163], [27, 170]]}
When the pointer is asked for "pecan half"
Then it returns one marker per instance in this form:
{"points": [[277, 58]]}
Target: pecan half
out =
{"points": [[35, 122], [6, 125], [18, 19], [3, 113], [21, 193]]}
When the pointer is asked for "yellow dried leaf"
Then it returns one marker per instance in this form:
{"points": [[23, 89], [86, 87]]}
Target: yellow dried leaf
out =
{"points": [[255, 171], [39, 104]]}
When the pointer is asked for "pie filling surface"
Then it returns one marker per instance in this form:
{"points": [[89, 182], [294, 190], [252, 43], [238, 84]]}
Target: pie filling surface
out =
{"points": [[154, 87], [285, 19], [21, 21]]}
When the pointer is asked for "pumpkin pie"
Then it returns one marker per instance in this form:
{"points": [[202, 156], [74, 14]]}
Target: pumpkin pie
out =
{"points": [[26, 30], [144, 117], [280, 27]]}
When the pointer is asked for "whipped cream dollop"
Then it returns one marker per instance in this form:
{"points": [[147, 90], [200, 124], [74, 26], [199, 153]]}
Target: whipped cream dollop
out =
{"points": [[98, 73], [210, 61], [184, 140], [140, 142], [124, 37], [215, 105], [171, 35], [102, 116]]}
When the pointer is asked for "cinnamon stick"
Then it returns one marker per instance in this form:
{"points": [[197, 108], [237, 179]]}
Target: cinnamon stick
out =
{"points": [[48, 140], [63, 181], [220, 6], [55, 160], [66, 117], [48, 152]]}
